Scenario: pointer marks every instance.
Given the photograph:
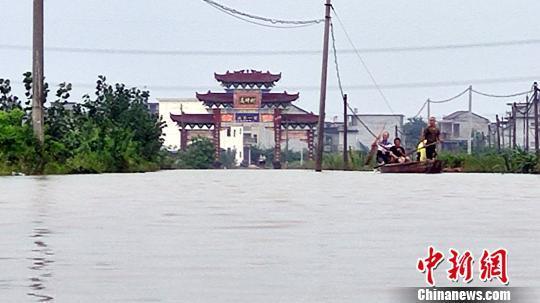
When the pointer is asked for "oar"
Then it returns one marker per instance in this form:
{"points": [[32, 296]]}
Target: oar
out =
{"points": [[416, 150], [373, 149]]}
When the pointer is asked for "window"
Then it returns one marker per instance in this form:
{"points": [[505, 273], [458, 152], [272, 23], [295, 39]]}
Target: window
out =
{"points": [[228, 132], [234, 133], [456, 130]]}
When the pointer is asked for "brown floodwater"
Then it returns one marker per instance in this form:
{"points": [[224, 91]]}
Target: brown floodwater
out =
{"points": [[254, 235]]}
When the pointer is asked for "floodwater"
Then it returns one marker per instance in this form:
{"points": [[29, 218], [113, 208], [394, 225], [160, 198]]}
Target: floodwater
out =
{"points": [[254, 236]]}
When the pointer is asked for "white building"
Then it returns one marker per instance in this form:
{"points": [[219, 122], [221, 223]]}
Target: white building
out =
{"points": [[457, 127], [168, 106], [231, 138]]}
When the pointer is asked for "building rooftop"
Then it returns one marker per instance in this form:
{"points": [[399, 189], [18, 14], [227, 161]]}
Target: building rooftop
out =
{"points": [[458, 113], [247, 77], [228, 98]]}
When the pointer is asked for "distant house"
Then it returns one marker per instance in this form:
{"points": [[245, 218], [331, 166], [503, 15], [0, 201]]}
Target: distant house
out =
{"points": [[456, 129], [358, 135]]}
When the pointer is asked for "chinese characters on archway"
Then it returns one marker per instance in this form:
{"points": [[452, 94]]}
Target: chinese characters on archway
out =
{"points": [[492, 265]]}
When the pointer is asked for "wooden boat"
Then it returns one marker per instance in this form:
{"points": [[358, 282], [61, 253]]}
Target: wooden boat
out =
{"points": [[415, 167]]}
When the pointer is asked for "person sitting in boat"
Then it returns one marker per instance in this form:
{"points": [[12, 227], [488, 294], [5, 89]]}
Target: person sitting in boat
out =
{"points": [[421, 151], [397, 152], [383, 149]]}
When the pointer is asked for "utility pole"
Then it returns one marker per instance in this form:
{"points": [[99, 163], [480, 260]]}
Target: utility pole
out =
{"points": [[287, 145], [498, 133], [514, 126], [536, 139], [527, 113], [489, 135], [469, 141], [322, 101], [504, 126], [345, 134], [38, 97]]}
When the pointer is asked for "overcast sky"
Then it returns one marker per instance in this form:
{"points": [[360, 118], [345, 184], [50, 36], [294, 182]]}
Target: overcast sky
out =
{"points": [[192, 25]]}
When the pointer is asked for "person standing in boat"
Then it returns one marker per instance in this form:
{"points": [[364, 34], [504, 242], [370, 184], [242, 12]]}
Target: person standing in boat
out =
{"points": [[431, 138], [383, 149]]}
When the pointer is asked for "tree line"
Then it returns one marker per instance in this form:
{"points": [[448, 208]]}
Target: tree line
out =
{"points": [[111, 131]]}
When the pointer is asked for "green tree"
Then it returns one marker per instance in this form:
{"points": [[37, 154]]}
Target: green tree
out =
{"points": [[113, 132], [17, 143], [413, 131], [198, 155], [7, 100], [228, 158]]}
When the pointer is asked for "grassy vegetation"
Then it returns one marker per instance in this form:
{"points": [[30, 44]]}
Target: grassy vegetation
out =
{"points": [[488, 161], [491, 161]]}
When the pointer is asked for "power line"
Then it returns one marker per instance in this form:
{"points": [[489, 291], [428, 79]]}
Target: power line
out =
{"points": [[334, 50], [340, 86], [208, 53], [502, 96], [449, 99], [420, 110], [363, 63], [406, 85], [272, 22]]}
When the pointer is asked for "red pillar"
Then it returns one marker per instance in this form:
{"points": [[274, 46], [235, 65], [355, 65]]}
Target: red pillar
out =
{"points": [[183, 137], [277, 138], [217, 129], [310, 136]]}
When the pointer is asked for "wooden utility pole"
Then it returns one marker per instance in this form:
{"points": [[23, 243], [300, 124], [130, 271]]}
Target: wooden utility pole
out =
{"points": [[498, 133], [324, 76], [38, 97], [527, 113], [536, 139], [514, 125], [489, 135], [287, 145], [471, 134], [345, 134]]}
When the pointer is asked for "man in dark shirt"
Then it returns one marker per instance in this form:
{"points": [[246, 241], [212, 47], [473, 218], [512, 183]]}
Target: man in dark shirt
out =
{"points": [[397, 152], [431, 135]]}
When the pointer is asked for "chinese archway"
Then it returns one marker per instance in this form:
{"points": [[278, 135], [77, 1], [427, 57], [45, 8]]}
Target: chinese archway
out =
{"points": [[247, 100]]}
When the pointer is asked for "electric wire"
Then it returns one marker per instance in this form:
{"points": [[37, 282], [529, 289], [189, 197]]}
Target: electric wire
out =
{"points": [[267, 52], [502, 96], [363, 62], [273, 22], [449, 99], [338, 74], [420, 110]]}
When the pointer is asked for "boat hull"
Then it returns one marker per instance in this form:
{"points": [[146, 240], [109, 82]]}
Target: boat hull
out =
{"points": [[416, 167]]}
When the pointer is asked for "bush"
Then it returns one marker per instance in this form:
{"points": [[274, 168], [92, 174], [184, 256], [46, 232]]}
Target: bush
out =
{"points": [[198, 155], [112, 133], [491, 161]]}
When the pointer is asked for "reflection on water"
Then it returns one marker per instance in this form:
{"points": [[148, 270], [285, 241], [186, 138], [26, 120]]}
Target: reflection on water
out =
{"points": [[41, 254], [253, 236], [41, 261]]}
